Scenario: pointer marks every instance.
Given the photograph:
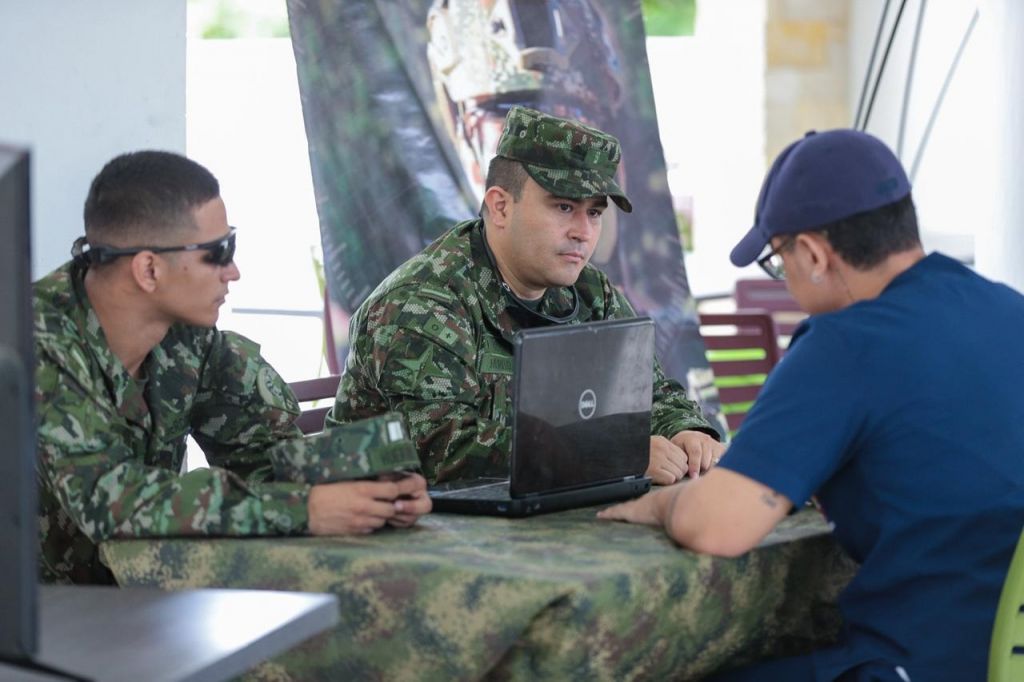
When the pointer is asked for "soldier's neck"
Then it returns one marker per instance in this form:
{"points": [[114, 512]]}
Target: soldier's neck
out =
{"points": [[131, 329]]}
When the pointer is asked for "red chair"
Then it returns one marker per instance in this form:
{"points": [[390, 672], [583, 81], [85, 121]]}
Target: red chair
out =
{"points": [[742, 348], [773, 296], [311, 420]]}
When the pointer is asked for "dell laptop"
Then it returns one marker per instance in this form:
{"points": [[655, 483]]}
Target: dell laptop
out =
{"points": [[581, 422]]}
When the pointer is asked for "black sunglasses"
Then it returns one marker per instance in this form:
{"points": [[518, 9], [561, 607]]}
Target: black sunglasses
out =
{"points": [[772, 263], [218, 252]]}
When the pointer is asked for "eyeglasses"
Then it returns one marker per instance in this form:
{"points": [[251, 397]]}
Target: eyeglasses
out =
{"points": [[772, 263], [218, 252]]}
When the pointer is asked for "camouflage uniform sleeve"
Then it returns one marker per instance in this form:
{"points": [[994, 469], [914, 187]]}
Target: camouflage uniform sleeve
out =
{"points": [[671, 410], [243, 407], [418, 353], [243, 419], [86, 461]]}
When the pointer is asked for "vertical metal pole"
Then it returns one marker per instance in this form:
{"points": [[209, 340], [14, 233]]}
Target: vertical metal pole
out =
{"points": [[910, 80], [871, 65]]}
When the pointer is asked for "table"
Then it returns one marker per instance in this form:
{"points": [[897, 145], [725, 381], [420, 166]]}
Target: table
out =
{"points": [[111, 634], [562, 596]]}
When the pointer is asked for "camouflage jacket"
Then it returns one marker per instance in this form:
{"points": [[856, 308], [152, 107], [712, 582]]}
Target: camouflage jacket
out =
{"points": [[111, 447], [434, 343]]}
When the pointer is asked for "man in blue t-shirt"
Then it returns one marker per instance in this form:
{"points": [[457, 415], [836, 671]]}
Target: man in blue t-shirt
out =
{"points": [[898, 405]]}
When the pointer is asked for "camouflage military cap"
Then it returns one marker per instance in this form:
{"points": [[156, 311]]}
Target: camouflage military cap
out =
{"points": [[563, 156], [363, 449]]}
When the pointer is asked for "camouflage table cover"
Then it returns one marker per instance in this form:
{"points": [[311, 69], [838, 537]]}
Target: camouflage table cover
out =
{"points": [[562, 596]]}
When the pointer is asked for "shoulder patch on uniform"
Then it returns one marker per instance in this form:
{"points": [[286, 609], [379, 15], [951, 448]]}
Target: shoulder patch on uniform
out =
{"points": [[271, 388], [436, 294], [438, 331]]}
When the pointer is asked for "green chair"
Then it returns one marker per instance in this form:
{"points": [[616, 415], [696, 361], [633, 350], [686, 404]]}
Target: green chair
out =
{"points": [[1006, 651]]}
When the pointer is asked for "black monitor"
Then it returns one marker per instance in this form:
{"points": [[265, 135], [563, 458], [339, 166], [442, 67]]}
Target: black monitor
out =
{"points": [[18, 495]]}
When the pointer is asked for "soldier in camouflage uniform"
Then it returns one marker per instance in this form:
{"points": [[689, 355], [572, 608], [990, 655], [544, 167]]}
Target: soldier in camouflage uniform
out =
{"points": [[129, 363], [434, 340]]}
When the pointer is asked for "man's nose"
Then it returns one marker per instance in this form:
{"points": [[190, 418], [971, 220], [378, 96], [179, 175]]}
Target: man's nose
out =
{"points": [[583, 228], [230, 272]]}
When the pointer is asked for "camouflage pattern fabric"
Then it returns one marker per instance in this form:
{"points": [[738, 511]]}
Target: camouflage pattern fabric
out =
{"points": [[557, 597], [111, 447], [368, 447], [434, 343], [564, 157], [480, 51]]}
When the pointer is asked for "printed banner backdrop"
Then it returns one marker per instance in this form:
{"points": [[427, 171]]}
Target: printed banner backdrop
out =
{"points": [[404, 102]]}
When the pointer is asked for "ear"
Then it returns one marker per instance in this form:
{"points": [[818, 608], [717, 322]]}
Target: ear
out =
{"points": [[146, 270], [817, 253], [499, 203]]}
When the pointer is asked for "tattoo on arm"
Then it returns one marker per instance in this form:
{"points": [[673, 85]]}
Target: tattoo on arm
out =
{"points": [[771, 499]]}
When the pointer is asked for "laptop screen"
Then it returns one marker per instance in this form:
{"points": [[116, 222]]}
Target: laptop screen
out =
{"points": [[582, 404]]}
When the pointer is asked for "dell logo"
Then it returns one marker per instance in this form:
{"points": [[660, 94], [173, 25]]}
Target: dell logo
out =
{"points": [[588, 404]]}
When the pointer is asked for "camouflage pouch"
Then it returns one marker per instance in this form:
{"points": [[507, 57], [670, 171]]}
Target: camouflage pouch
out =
{"points": [[364, 449]]}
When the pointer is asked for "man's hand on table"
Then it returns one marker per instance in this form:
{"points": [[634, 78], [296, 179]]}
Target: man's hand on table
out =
{"points": [[687, 453], [360, 507], [724, 513], [649, 509]]}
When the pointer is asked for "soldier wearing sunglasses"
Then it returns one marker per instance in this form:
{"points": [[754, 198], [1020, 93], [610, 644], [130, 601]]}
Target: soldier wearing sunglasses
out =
{"points": [[129, 362]]}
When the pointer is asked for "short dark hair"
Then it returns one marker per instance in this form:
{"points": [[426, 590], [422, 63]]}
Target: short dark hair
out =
{"points": [[507, 174], [145, 194], [865, 239]]}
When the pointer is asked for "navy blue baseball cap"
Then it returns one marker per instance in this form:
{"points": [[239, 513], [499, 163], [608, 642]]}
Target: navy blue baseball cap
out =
{"points": [[821, 178]]}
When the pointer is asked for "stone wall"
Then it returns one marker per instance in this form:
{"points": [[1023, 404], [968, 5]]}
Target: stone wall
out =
{"points": [[806, 69]]}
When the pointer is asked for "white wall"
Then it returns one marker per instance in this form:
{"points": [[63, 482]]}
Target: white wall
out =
{"points": [[709, 91], [245, 125], [999, 251], [81, 82]]}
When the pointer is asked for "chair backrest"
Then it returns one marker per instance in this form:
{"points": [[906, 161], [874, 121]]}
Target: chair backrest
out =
{"points": [[1006, 650], [742, 347], [311, 419], [773, 296]]}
